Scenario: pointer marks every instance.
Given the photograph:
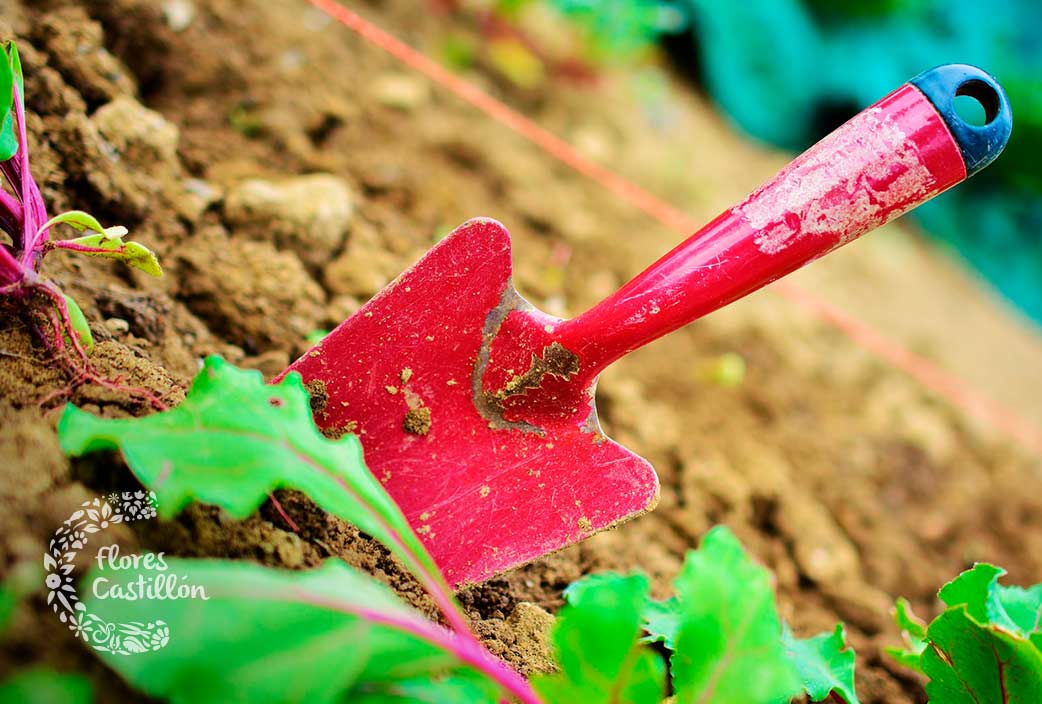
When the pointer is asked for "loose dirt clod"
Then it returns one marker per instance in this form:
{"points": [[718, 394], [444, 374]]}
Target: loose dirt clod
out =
{"points": [[417, 421], [319, 396]]}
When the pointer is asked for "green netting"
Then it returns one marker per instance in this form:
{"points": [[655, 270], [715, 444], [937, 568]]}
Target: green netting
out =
{"points": [[787, 71]]}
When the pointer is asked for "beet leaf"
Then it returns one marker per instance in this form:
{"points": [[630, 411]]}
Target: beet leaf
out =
{"points": [[1013, 609], [986, 646], [327, 635], [728, 647], [10, 75], [597, 646], [727, 641], [825, 664], [913, 631], [970, 663]]}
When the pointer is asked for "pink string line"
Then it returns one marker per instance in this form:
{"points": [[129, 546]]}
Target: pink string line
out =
{"points": [[955, 390]]}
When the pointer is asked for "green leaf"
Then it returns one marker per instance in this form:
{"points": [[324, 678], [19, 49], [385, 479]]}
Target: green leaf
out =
{"points": [[728, 644], [233, 440], [109, 240], [78, 322], [913, 631], [1013, 609], [8, 135], [42, 686], [133, 253], [10, 75], [14, 62], [316, 336], [974, 588], [78, 220], [661, 622], [973, 663], [825, 664], [454, 689], [8, 603], [596, 641], [1023, 607], [264, 634], [140, 257]]}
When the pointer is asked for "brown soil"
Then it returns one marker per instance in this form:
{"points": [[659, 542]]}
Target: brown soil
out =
{"points": [[841, 474]]}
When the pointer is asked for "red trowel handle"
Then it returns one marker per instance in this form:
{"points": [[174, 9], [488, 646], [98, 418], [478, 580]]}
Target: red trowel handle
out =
{"points": [[900, 152]]}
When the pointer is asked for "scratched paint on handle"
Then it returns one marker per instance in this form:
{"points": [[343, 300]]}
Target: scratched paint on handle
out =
{"points": [[859, 177]]}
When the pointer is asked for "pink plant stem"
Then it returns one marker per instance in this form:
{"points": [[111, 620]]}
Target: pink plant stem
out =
{"points": [[282, 512], [11, 204], [81, 248], [417, 560], [33, 213], [11, 272], [470, 652]]}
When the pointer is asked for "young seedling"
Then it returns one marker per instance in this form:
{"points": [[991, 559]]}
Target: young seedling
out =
{"points": [[986, 646], [56, 318]]}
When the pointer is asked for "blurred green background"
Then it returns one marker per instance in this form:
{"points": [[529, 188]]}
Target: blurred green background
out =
{"points": [[789, 71]]}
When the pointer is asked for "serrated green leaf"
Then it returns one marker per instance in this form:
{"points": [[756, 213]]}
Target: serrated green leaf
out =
{"points": [[973, 663], [728, 644], [1023, 607], [907, 621], [974, 588], [78, 322], [661, 621], [596, 642], [233, 440], [268, 635], [825, 664], [913, 631], [904, 657], [1013, 609], [42, 686]]}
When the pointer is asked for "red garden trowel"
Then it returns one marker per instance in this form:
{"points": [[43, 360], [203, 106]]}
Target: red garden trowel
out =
{"points": [[477, 411]]}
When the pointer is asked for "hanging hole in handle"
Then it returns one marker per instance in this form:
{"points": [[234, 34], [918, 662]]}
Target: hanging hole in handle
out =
{"points": [[976, 103]]}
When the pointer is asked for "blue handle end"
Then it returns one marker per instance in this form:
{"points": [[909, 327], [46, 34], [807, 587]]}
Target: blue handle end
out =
{"points": [[980, 144]]}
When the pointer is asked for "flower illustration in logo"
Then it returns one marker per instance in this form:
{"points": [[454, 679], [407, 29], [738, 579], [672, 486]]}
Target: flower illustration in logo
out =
{"points": [[101, 519], [94, 516]]}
